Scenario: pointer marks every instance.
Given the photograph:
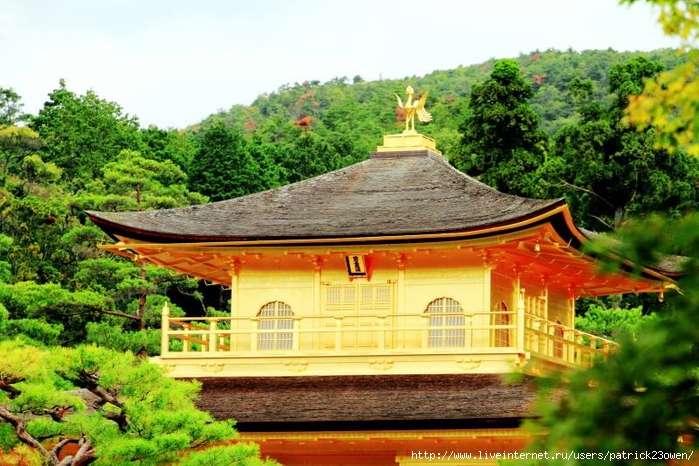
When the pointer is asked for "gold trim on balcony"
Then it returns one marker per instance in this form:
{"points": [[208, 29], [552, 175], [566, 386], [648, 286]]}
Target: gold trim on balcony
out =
{"points": [[480, 342]]}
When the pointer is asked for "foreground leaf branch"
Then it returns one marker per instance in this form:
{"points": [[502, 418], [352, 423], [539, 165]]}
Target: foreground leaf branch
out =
{"points": [[108, 407]]}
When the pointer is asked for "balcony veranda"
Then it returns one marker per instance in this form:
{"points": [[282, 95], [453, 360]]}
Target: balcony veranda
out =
{"points": [[446, 343]]}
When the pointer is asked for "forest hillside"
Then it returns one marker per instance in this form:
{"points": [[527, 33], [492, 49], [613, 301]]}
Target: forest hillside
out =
{"points": [[358, 113]]}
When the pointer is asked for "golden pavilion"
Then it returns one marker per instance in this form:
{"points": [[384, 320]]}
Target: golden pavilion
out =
{"points": [[374, 309]]}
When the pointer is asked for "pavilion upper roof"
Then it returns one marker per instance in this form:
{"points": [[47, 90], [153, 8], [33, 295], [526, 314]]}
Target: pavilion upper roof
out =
{"points": [[392, 193]]}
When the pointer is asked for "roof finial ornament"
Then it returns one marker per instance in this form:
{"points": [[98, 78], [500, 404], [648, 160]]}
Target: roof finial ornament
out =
{"points": [[413, 108], [410, 141]]}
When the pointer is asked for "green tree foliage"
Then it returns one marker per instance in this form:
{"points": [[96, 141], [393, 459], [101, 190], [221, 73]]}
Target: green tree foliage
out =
{"points": [[33, 331], [308, 156], [606, 169], [113, 336], [117, 408], [10, 107], [16, 143], [82, 133], [669, 102], [103, 291], [35, 215], [59, 276], [5, 267], [502, 144], [133, 182], [610, 322], [162, 145], [627, 79], [223, 167], [54, 304]]}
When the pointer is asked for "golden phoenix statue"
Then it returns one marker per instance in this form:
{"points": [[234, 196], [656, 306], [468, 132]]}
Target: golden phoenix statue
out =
{"points": [[413, 108]]}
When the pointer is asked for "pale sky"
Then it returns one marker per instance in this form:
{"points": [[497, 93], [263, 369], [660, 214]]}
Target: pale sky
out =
{"points": [[173, 62]]}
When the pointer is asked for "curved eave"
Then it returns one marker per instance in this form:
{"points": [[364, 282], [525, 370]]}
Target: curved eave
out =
{"points": [[557, 216], [128, 234], [567, 230]]}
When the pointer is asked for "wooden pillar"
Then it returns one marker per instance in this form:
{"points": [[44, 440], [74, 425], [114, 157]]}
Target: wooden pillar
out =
{"points": [[338, 332], [254, 333], [402, 321], [212, 336], [545, 311], [234, 273], [401, 260], [572, 293], [296, 339], [165, 330], [317, 323], [382, 332], [317, 282], [520, 318], [487, 288]]}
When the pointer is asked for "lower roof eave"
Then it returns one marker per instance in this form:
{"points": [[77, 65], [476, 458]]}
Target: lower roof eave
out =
{"points": [[368, 402], [383, 425]]}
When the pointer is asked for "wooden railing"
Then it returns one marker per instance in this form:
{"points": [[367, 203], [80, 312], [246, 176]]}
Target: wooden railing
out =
{"points": [[564, 344], [473, 332], [466, 333]]}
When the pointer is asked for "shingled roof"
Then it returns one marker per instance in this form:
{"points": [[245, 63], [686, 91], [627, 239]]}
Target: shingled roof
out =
{"points": [[394, 193], [356, 402]]}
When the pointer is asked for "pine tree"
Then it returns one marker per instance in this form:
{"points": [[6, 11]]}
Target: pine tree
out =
{"points": [[502, 145]]}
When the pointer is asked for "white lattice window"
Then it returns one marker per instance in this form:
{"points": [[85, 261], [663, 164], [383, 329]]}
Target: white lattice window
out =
{"points": [[276, 327], [375, 298], [446, 323], [341, 298], [357, 297]]}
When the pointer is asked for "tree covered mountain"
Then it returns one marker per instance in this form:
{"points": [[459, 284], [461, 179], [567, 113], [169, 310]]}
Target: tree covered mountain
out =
{"points": [[353, 114]]}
